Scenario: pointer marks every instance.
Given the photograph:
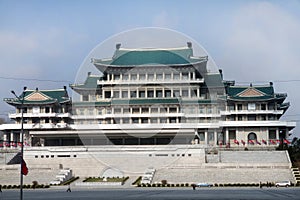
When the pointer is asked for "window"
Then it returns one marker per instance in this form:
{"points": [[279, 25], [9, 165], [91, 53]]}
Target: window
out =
{"points": [[142, 77], [211, 136], [263, 106], [231, 107], [117, 77], [145, 110], [185, 93], [133, 94], [124, 94], [135, 110], [125, 77], [240, 106], [185, 76], [107, 94], [126, 110], [168, 76], [159, 93], [201, 136], [47, 110], [144, 120], [167, 93], [172, 119], [271, 106], [251, 117], [135, 120], [251, 106], [232, 134], [172, 110], [133, 77], [91, 111], [202, 109], [125, 120], [176, 76], [154, 110], [159, 76], [154, 120], [150, 77], [163, 120], [142, 94], [272, 134], [85, 97], [116, 94], [176, 93], [117, 110], [150, 93], [240, 117]]}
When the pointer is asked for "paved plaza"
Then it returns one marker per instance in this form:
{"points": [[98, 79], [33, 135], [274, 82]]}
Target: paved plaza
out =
{"points": [[157, 193]]}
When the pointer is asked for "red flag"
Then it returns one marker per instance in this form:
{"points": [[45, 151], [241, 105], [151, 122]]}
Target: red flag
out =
{"points": [[272, 141], [251, 142], [286, 141], [24, 168], [278, 141], [243, 142], [236, 142], [264, 141], [257, 142]]}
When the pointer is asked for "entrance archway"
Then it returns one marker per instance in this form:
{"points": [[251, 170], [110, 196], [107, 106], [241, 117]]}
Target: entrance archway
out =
{"points": [[252, 137]]}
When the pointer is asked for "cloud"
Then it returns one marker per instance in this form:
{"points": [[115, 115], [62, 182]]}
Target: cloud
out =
{"points": [[264, 43], [163, 19]]}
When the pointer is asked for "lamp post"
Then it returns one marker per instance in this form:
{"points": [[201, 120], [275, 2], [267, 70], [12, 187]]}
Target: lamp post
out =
{"points": [[22, 137]]}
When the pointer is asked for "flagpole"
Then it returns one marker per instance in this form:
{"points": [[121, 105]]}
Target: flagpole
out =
{"points": [[22, 138]]}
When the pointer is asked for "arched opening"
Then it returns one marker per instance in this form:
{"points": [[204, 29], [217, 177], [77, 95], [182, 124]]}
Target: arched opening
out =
{"points": [[252, 137]]}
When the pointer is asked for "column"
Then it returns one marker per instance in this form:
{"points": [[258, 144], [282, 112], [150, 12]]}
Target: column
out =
{"points": [[215, 137], [267, 137], [227, 136], [4, 139], [11, 139], [206, 137], [277, 134]]}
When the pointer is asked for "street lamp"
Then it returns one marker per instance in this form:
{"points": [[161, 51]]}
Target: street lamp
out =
{"points": [[22, 137]]}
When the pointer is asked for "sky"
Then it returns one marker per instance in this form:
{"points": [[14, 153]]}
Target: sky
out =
{"points": [[44, 43]]}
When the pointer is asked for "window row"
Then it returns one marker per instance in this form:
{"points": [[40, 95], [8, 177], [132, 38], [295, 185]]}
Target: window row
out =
{"points": [[269, 117], [251, 106], [148, 110], [146, 120], [152, 76]]}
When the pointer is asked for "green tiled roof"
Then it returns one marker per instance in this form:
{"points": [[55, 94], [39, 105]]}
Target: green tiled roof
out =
{"points": [[266, 93], [134, 57], [49, 97], [235, 90], [90, 83]]}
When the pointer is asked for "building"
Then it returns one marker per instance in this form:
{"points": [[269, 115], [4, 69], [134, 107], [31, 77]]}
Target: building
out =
{"points": [[152, 97]]}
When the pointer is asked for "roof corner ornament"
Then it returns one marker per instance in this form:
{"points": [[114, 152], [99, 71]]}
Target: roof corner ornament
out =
{"points": [[118, 46], [189, 44]]}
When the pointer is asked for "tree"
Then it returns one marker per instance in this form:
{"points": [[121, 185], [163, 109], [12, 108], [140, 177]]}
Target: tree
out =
{"points": [[294, 151]]}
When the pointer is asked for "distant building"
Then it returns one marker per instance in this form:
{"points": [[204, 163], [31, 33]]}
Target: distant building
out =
{"points": [[152, 97]]}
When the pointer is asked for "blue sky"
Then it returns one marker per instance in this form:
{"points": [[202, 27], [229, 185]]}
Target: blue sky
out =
{"points": [[252, 41]]}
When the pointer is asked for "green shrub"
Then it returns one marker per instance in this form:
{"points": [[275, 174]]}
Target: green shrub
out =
{"points": [[216, 184], [182, 185], [137, 181], [220, 185], [172, 185], [8, 187], [177, 185], [187, 185], [168, 185], [164, 182], [153, 185]]}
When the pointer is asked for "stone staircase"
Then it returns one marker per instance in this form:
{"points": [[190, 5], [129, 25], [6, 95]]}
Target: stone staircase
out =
{"points": [[62, 176], [148, 176], [296, 174]]}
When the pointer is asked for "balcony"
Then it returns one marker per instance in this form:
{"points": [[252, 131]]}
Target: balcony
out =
{"points": [[245, 112], [139, 82], [46, 115]]}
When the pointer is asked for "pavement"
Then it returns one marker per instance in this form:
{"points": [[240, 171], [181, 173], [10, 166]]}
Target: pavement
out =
{"points": [[155, 193]]}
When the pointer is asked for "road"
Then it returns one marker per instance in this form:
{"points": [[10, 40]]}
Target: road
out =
{"points": [[156, 193]]}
